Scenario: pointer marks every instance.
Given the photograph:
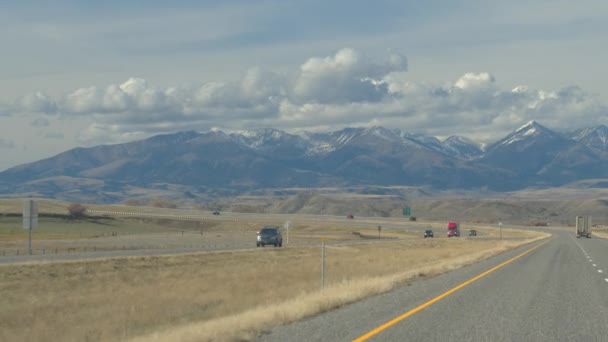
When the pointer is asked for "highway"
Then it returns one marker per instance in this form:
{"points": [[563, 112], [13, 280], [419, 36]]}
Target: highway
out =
{"points": [[553, 290]]}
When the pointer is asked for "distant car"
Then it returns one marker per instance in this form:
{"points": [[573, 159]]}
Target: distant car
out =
{"points": [[269, 236], [216, 213], [428, 233], [412, 218], [472, 232], [350, 216]]}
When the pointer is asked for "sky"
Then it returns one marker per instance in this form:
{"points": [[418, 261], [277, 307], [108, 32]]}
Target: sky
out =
{"points": [[80, 73]]}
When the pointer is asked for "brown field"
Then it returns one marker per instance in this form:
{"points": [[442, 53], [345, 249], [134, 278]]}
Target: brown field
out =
{"points": [[200, 296]]}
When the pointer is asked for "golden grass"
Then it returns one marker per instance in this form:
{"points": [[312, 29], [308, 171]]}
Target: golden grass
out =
{"points": [[15, 205], [249, 324], [602, 233], [122, 298]]}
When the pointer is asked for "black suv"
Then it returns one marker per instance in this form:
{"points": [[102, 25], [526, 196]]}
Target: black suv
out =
{"points": [[269, 236], [472, 232], [428, 233]]}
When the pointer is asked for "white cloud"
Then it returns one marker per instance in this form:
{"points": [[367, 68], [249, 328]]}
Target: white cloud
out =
{"points": [[37, 102], [83, 101], [345, 77], [475, 81], [343, 89]]}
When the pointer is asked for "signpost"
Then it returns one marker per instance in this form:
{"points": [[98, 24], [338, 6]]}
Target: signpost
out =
{"points": [[30, 220], [500, 227], [286, 226], [407, 211]]}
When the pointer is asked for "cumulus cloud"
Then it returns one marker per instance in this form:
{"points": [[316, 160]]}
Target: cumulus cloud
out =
{"points": [[37, 102], [475, 81], [134, 95], [346, 88], [345, 77]]}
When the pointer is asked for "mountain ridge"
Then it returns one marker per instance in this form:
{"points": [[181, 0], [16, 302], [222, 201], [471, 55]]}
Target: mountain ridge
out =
{"points": [[531, 155]]}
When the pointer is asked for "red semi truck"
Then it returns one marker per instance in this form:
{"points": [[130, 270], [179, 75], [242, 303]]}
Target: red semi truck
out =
{"points": [[453, 229]]}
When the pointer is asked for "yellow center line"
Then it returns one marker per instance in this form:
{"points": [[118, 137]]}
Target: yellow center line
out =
{"points": [[398, 319]]}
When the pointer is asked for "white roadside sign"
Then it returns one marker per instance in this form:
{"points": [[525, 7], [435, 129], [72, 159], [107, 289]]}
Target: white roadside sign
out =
{"points": [[30, 214], [286, 226]]}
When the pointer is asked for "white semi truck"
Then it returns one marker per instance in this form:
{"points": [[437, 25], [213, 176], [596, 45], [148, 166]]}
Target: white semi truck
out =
{"points": [[583, 226]]}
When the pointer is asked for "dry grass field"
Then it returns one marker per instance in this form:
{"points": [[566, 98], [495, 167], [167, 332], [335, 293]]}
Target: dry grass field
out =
{"points": [[219, 295], [200, 296], [600, 232]]}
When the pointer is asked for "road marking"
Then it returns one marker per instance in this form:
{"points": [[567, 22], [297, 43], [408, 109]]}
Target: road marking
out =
{"points": [[422, 306], [594, 265], [606, 279], [600, 271]]}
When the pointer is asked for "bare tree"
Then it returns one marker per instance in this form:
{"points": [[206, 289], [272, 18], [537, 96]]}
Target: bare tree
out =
{"points": [[77, 210]]}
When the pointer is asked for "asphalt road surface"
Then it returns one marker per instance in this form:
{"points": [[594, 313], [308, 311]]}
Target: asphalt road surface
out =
{"points": [[557, 291], [242, 244]]}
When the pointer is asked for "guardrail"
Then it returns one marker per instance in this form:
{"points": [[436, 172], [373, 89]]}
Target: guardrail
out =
{"points": [[12, 252], [67, 250]]}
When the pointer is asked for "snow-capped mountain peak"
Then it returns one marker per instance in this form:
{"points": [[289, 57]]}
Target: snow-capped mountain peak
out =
{"points": [[527, 131], [462, 147], [266, 138], [529, 128], [382, 133], [595, 137]]}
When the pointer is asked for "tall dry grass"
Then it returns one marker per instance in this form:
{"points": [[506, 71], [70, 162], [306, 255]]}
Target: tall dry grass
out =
{"points": [[247, 325], [602, 233], [122, 298]]}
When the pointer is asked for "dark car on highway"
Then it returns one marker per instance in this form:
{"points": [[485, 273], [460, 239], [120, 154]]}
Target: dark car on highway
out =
{"points": [[269, 236], [472, 232], [428, 233], [216, 213]]}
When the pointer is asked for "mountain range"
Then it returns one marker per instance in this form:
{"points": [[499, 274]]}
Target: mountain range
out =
{"points": [[203, 163]]}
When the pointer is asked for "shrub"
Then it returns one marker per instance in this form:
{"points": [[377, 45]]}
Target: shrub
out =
{"points": [[76, 210]]}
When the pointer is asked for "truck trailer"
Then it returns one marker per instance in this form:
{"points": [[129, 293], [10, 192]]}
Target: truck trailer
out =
{"points": [[583, 226]]}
